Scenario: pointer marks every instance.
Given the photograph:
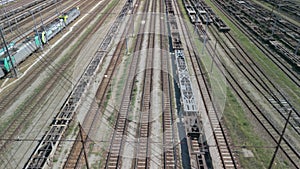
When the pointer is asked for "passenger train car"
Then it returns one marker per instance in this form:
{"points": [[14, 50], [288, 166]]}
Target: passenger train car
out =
{"points": [[20, 51]]}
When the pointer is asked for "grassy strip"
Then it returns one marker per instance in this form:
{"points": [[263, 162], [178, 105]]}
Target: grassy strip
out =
{"points": [[243, 134], [134, 93], [121, 83], [272, 71]]}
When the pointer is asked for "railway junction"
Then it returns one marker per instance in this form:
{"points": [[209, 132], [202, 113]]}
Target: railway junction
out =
{"points": [[193, 84]]}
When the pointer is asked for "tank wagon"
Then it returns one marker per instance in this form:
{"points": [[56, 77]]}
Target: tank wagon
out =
{"points": [[20, 51]]}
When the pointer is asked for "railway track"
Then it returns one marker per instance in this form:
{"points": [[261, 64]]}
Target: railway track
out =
{"points": [[143, 153], [61, 122], [227, 158], [268, 124], [277, 60], [9, 22], [17, 123], [77, 151], [13, 127], [25, 26], [14, 8], [114, 155], [143, 143], [7, 97], [194, 143], [170, 151], [265, 85], [215, 119]]}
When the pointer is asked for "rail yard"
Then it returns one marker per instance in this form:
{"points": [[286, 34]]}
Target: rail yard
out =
{"points": [[193, 84]]}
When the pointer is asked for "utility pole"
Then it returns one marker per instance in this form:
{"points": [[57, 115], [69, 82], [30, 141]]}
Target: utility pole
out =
{"points": [[16, 22], [280, 139], [5, 13], [42, 21], [297, 48], [57, 13], [213, 57], [35, 28], [204, 43], [7, 51], [83, 146], [275, 20]]}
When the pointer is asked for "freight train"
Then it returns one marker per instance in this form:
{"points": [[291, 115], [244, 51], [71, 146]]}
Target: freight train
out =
{"points": [[20, 51]]}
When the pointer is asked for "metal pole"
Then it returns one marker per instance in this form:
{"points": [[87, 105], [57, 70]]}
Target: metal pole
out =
{"points": [[196, 24], [42, 21], [16, 22], [204, 44], [10, 58], [83, 146], [280, 139], [5, 13], [35, 28], [212, 59], [126, 42], [297, 48], [274, 24], [132, 22], [56, 8], [60, 7]]}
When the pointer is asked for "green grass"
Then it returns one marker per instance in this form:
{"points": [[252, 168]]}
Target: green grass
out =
{"points": [[134, 93], [108, 96], [73, 128], [112, 118], [100, 162], [243, 134], [122, 80]]}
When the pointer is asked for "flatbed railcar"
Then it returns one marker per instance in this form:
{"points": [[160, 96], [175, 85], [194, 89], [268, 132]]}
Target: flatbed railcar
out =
{"points": [[25, 48], [222, 27], [293, 58]]}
